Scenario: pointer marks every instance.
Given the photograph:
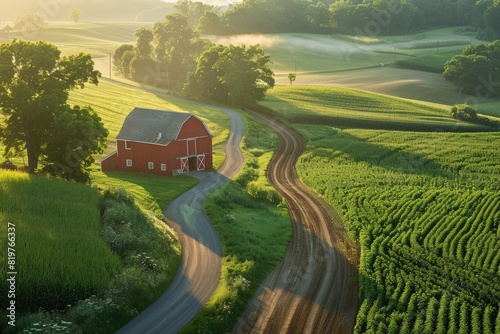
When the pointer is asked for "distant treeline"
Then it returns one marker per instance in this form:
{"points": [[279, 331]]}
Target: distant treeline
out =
{"points": [[358, 17]]}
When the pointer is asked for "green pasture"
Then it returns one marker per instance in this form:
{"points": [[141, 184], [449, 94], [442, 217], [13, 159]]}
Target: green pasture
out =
{"points": [[348, 107], [429, 63], [306, 53], [151, 192], [51, 217], [98, 39], [489, 107]]}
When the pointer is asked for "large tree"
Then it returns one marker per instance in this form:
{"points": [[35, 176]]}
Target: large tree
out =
{"points": [[477, 70], [34, 86], [238, 75]]}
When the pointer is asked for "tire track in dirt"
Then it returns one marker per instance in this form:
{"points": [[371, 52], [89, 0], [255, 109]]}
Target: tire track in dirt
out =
{"points": [[314, 289]]}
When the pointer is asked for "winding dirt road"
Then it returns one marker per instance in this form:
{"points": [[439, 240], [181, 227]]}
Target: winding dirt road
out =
{"points": [[314, 289], [200, 269]]}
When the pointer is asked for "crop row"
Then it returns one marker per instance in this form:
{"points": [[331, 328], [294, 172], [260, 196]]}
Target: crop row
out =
{"points": [[425, 208]]}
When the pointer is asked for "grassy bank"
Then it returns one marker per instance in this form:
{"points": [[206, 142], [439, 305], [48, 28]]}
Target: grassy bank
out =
{"points": [[429, 63], [92, 262]]}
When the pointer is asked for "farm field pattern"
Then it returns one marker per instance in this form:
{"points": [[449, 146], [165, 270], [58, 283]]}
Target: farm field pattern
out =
{"points": [[424, 207]]}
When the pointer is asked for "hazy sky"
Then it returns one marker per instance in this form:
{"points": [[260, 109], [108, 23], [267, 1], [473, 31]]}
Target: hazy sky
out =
{"points": [[213, 2]]}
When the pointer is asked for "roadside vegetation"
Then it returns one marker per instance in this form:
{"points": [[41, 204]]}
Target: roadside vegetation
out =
{"points": [[424, 208], [254, 226]]}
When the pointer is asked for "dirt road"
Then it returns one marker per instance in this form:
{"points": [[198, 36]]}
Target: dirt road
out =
{"points": [[314, 288], [199, 273]]}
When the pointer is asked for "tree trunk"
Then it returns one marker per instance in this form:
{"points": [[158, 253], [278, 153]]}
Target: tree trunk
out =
{"points": [[32, 156]]}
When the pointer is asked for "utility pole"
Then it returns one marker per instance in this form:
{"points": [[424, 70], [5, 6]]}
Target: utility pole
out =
{"points": [[110, 66]]}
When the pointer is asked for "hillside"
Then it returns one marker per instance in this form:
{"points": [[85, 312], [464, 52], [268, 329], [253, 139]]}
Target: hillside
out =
{"points": [[353, 108]]}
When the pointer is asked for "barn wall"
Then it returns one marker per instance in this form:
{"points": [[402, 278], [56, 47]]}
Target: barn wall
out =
{"points": [[110, 162], [142, 153]]}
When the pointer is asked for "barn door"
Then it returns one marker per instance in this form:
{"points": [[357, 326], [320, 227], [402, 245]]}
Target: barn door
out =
{"points": [[191, 146], [184, 165], [201, 162]]}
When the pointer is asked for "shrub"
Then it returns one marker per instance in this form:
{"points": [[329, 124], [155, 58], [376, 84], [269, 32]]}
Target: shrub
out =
{"points": [[246, 176]]}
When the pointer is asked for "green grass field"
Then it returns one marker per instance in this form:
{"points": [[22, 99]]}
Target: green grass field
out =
{"points": [[324, 53], [51, 217], [151, 192], [98, 39], [347, 107], [430, 63]]}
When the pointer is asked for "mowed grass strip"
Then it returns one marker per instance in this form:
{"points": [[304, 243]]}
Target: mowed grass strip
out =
{"points": [[349, 107], [60, 257], [151, 192]]}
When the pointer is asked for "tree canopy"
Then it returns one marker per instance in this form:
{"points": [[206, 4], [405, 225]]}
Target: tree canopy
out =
{"points": [[477, 70], [171, 55], [34, 86], [357, 17], [231, 74]]}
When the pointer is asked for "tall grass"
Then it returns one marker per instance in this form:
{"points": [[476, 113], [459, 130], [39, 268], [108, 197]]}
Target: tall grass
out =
{"points": [[60, 255]]}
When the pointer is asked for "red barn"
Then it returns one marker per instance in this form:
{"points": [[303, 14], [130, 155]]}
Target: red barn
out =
{"points": [[161, 142]]}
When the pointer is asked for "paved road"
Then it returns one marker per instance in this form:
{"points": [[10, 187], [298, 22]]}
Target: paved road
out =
{"points": [[313, 290], [199, 272]]}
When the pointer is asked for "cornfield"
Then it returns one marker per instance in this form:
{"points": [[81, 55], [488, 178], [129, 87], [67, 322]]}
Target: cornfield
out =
{"points": [[51, 217]]}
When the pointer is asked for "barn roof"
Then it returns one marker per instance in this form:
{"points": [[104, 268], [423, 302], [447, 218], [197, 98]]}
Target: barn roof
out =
{"points": [[145, 125]]}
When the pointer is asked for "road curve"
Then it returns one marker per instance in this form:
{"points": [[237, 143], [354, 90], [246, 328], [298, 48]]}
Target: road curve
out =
{"points": [[200, 269], [314, 289]]}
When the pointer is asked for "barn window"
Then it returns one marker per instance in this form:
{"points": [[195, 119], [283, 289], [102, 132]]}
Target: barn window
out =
{"points": [[151, 165], [163, 167], [128, 145], [129, 162]]}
